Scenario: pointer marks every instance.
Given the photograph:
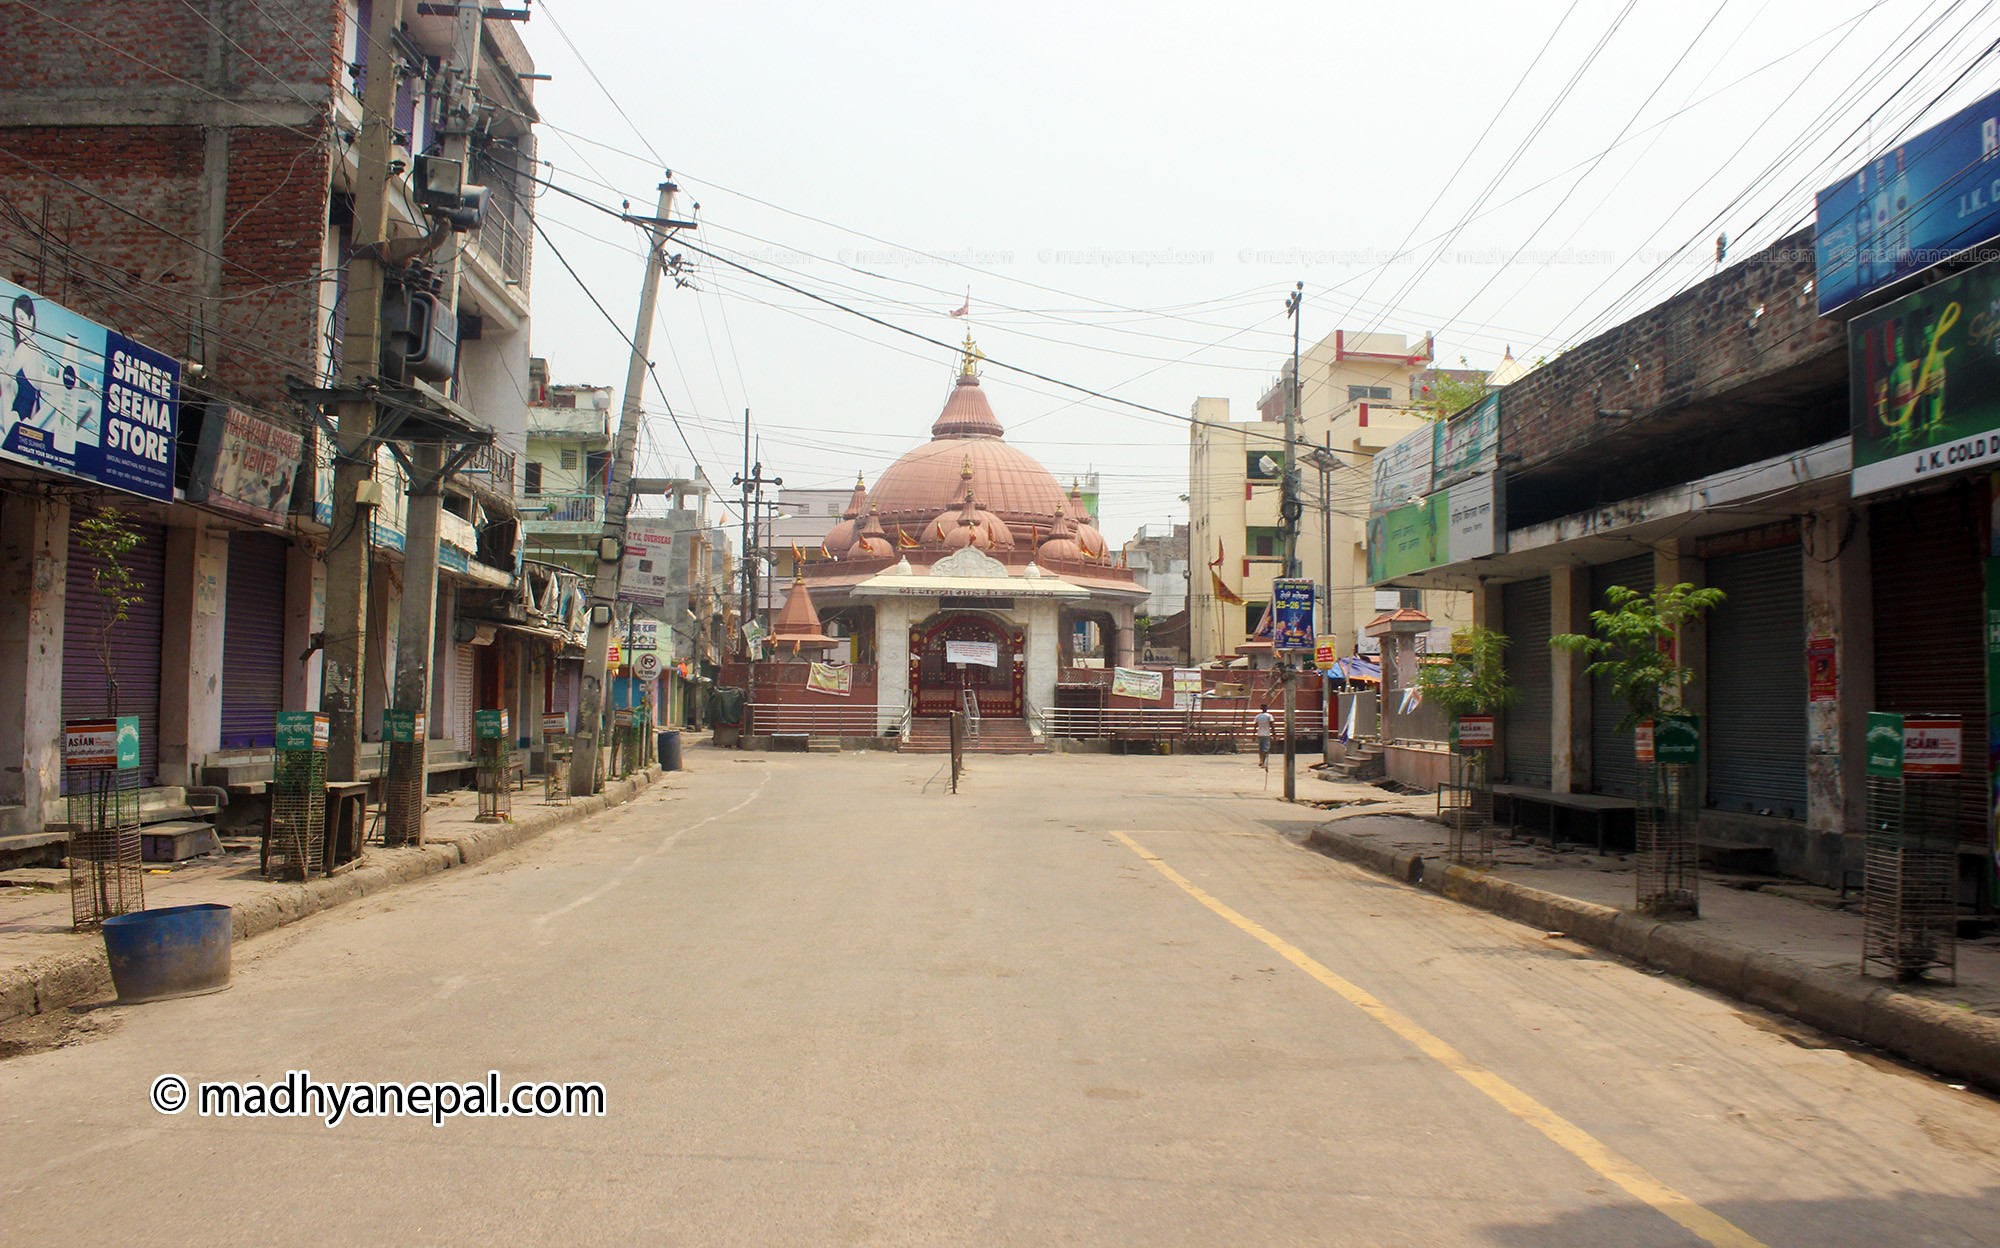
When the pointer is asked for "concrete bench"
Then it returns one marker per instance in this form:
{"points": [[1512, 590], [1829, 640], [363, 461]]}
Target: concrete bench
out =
{"points": [[1595, 806]]}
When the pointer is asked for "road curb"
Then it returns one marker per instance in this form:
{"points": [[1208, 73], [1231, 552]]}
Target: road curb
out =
{"points": [[59, 980], [1946, 1038]]}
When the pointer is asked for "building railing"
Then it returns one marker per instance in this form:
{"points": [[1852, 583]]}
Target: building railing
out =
{"points": [[541, 509], [1155, 722], [494, 465], [791, 719]]}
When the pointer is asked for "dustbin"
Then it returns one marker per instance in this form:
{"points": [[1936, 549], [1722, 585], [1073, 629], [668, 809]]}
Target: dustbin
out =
{"points": [[179, 951], [670, 750]]}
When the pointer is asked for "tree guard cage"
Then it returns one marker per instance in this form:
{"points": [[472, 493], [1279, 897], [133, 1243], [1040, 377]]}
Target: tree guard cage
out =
{"points": [[1910, 872], [490, 732], [556, 748], [1466, 801], [406, 733], [1667, 754], [298, 797], [101, 782]]}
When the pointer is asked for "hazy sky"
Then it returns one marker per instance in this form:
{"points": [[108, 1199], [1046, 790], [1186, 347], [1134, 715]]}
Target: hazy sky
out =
{"points": [[1130, 191]]}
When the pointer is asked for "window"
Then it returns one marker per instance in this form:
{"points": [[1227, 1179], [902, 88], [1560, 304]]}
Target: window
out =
{"points": [[569, 459], [1265, 548], [833, 509], [1370, 394], [531, 478], [597, 469]]}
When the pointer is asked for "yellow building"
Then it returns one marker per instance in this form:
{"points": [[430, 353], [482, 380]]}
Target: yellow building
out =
{"points": [[1354, 401]]}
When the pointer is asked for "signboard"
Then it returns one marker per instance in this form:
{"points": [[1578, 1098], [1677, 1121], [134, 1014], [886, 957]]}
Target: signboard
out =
{"points": [[1467, 444], [1132, 682], [1475, 732], [646, 666], [303, 730], [1932, 748], [1403, 472], [1292, 614], [106, 742], [1928, 199], [977, 653], [555, 724], [1924, 383], [1475, 528], [490, 725], [86, 401], [1993, 699], [646, 574], [1326, 652], [1407, 539], [1187, 680], [833, 678], [245, 466], [643, 635], [1822, 676], [404, 727], [1642, 741], [1885, 745], [1677, 739]]}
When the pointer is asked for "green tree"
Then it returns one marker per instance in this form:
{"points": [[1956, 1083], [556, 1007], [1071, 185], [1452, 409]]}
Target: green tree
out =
{"points": [[108, 537], [1637, 646], [1474, 682], [1449, 396]]}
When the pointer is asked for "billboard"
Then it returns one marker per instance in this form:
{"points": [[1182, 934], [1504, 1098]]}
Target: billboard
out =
{"points": [[245, 466], [1403, 472], [1924, 384], [86, 401], [1922, 202], [1292, 614], [1464, 521], [1468, 443], [647, 576]]}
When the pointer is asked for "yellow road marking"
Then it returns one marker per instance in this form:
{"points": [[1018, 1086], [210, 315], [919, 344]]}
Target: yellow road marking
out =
{"points": [[1561, 1131]]}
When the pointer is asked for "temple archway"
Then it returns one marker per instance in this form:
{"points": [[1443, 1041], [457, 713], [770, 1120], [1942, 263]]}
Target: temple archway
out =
{"points": [[939, 685]]}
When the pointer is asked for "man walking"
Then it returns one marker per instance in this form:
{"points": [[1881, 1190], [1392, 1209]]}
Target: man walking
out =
{"points": [[1264, 724]]}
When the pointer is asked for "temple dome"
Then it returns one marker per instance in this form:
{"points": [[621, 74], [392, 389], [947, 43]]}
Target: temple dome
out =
{"points": [[1087, 538], [872, 543], [842, 535]]}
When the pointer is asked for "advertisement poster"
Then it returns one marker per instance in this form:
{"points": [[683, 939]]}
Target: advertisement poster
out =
{"points": [[1407, 539], [1403, 472], [646, 575], [1475, 732], [1467, 444], [1916, 205], [1822, 677], [1326, 652], [1993, 705], [245, 466], [1932, 747], [1924, 383], [977, 653], [1131, 682], [86, 401], [112, 743], [833, 678], [1292, 614]]}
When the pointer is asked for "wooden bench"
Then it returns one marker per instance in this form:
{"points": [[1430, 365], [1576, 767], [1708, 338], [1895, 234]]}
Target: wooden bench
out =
{"points": [[1595, 806]]}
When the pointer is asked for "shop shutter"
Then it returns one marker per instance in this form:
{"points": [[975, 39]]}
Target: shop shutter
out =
{"points": [[462, 696], [1612, 769], [1756, 684], [253, 640], [1525, 607], [135, 642], [1930, 647]]}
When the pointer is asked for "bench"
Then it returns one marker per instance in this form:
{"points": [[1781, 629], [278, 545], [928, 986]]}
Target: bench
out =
{"points": [[1597, 807]]}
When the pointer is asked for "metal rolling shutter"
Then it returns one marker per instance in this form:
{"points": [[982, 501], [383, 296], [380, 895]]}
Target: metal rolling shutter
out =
{"points": [[462, 696], [135, 643], [253, 640], [1612, 770], [1930, 658], [1756, 682], [1525, 607]]}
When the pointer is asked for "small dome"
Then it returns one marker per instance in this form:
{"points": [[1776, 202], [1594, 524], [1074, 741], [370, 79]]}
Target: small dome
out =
{"points": [[969, 524], [872, 543], [842, 535], [1088, 539], [1509, 371], [1062, 543]]}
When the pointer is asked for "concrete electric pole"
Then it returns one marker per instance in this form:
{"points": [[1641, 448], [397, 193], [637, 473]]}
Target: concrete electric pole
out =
{"points": [[355, 491], [1290, 508], [586, 766]]}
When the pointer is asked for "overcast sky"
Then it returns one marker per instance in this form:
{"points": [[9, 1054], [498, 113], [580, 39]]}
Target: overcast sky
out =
{"points": [[1130, 191]]}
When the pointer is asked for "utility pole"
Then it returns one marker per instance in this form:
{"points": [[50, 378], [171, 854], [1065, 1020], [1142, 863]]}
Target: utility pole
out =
{"points": [[355, 492], [752, 480], [1290, 508], [417, 617], [585, 764]]}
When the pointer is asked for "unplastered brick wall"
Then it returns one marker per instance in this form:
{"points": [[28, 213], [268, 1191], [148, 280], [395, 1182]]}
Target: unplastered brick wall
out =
{"points": [[270, 47], [1754, 319]]}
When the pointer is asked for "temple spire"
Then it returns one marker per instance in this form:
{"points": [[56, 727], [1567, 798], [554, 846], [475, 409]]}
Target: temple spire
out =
{"points": [[969, 357]]}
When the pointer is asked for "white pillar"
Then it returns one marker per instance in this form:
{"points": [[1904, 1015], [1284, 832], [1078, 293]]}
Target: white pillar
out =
{"points": [[305, 614], [34, 565], [1124, 645], [892, 659], [191, 645], [1044, 652]]}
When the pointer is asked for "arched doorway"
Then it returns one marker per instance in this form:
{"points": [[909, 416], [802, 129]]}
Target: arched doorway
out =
{"points": [[939, 685]]}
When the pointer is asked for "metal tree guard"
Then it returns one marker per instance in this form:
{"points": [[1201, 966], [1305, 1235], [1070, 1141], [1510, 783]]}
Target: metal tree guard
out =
{"points": [[1467, 800], [405, 783], [556, 747], [101, 782], [298, 797], [1910, 873], [490, 753], [1667, 751]]}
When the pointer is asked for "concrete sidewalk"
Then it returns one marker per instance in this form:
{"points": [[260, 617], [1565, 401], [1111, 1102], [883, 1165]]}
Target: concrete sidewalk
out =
{"points": [[44, 965], [1785, 946]]}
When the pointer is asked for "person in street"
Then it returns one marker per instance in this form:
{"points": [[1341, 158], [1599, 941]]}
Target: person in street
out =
{"points": [[1264, 737]]}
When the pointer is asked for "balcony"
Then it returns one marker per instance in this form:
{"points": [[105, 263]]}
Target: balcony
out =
{"points": [[554, 514]]}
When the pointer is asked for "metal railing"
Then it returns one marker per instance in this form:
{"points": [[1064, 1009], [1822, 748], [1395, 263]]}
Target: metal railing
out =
{"points": [[782, 719], [495, 465], [1156, 722], [562, 509], [971, 701]]}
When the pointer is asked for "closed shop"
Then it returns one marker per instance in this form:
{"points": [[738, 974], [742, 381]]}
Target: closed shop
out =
{"points": [[1930, 604], [253, 631], [1525, 608], [1612, 769], [465, 683], [1756, 684], [134, 642]]}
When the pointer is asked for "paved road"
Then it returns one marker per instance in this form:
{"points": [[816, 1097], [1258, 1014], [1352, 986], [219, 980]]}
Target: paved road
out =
{"points": [[1087, 1001]]}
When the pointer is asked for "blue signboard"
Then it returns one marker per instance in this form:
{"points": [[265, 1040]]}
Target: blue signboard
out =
{"points": [[1292, 614], [85, 401], [1920, 203]]}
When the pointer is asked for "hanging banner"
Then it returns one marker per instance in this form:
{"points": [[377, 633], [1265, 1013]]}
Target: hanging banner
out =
{"points": [[977, 653], [86, 401], [1132, 682], [833, 678], [646, 573], [1292, 614]]}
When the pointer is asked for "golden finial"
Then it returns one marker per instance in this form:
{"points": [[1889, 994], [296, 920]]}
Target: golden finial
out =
{"points": [[858, 483], [969, 365], [965, 468]]}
